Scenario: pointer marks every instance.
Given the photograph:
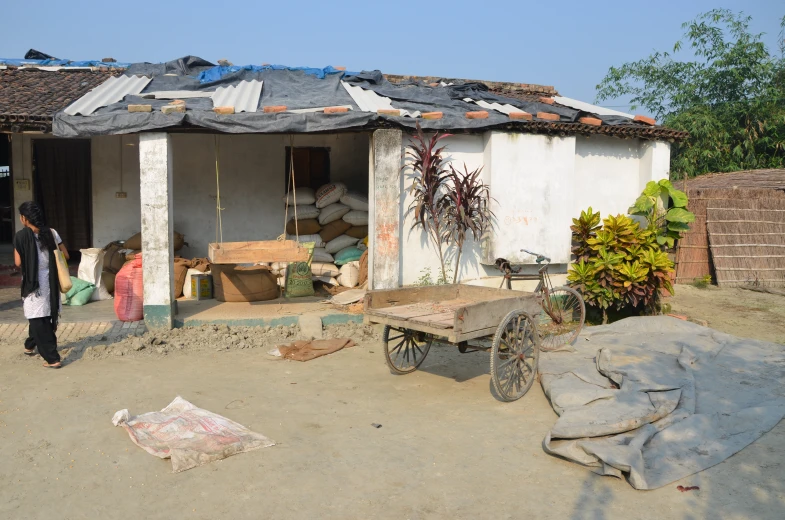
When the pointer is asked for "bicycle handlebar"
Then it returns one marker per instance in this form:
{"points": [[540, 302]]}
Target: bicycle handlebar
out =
{"points": [[540, 257]]}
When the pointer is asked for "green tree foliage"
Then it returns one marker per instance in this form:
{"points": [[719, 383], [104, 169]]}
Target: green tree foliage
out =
{"points": [[730, 97]]}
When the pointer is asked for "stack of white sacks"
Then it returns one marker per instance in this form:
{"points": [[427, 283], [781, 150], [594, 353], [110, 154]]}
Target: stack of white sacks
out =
{"points": [[336, 220]]}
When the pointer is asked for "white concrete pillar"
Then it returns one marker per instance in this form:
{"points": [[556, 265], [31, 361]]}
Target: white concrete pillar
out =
{"points": [[155, 180], [384, 266]]}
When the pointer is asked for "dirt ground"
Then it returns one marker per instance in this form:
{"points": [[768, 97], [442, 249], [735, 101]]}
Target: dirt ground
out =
{"points": [[446, 448]]}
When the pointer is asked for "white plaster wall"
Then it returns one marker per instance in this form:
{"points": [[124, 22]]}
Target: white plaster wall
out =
{"points": [[115, 168], [418, 252], [532, 182], [252, 175], [607, 174]]}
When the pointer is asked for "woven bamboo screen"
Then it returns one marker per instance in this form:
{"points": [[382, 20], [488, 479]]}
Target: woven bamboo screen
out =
{"points": [[747, 240], [693, 256]]}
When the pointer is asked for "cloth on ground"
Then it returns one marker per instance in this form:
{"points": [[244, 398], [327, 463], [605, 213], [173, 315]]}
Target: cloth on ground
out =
{"points": [[308, 350], [657, 399], [189, 435]]}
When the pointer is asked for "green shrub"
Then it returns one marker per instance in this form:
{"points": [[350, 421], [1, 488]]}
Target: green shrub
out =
{"points": [[619, 267]]}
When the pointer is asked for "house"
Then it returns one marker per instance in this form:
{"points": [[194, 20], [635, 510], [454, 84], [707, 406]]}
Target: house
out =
{"points": [[545, 157], [738, 237]]}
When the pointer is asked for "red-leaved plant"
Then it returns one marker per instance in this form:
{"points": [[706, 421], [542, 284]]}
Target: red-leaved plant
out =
{"points": [[428, 179], [465, 209]]}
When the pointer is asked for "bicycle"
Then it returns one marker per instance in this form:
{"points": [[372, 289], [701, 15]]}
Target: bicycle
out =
{"points": [[563, 310]]}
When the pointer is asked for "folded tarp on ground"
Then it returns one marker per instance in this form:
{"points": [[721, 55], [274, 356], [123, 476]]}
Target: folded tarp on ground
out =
{"points": [[189, 435], [657, 399], [308, 350]]}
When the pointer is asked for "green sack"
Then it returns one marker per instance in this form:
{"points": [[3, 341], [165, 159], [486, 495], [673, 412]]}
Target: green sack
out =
{"points": [[347, 254], [80, 293], [299, 279]]}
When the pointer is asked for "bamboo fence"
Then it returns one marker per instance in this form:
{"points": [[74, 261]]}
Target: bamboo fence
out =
{"points": [[733, 191]]}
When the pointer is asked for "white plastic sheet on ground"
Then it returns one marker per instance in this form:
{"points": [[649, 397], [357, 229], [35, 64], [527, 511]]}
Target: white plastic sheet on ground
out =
{"points": [[190, 436], [657, 399]]}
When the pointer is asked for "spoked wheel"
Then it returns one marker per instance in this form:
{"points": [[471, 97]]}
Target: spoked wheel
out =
{"points": [[404, 349], [561, 318], [514, 356]]}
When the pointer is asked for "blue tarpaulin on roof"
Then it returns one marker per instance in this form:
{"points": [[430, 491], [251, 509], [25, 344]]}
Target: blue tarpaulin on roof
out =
{"points": [[218, 72]]}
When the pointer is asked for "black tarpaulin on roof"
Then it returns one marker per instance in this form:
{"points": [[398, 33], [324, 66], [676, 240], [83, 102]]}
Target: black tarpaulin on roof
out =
{"points": [[298, 90]]}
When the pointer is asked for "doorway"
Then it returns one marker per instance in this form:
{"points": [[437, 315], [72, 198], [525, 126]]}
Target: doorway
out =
{"points": [[62, 186]]}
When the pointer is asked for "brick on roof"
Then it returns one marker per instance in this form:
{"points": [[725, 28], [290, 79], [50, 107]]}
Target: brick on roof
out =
{"points": [[30, 97]]}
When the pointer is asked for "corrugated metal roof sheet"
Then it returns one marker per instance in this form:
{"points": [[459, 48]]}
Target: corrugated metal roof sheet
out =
{"points": [[111, 91], [370, 101], [244, 96], [179, 94], [588, 107], [504, 109]]}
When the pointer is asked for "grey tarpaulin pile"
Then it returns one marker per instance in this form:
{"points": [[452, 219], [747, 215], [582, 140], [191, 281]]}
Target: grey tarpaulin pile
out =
{"points": [[657, 399]]}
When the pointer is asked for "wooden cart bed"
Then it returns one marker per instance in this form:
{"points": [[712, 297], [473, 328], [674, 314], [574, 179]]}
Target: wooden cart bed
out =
{"points": [[456, 313]]}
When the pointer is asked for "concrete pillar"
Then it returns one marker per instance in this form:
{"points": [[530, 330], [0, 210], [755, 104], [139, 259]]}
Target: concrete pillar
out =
{"points": [[384, 265], [155, 180], [21, 170]]}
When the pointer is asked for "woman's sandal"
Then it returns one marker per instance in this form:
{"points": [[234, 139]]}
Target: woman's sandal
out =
{"points": [[29, 352], [53, 365]]}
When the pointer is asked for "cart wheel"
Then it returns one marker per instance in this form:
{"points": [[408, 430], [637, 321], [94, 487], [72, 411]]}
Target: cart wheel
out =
{"points": [[561, 318], [514, 356], [404, 349]]}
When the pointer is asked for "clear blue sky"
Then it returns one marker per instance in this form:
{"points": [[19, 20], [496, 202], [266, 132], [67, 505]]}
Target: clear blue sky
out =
{"points": [[568, 44]]}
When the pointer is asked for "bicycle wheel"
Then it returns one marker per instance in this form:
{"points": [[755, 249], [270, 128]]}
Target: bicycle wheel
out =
{"points": [[561, 318], [514, 356], [404, 349]]}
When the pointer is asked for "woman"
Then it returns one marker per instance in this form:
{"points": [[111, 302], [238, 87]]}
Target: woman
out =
{"points": [[34, 252]]}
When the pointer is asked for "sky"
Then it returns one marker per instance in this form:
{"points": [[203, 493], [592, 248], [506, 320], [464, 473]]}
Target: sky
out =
{"points": [[567, 44]]}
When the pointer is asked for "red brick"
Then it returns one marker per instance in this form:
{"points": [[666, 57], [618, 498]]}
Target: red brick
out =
{"points": [[480, 114], [387, 112], [678, 316], [593, 121], [547, 116], [140, 108], [224, 110], [520, 115], [546, 100], [646, 120], [433, 85], [339, 67], [265, 64], [335, 110], [274, 109], [177, 102], [432, 115]]}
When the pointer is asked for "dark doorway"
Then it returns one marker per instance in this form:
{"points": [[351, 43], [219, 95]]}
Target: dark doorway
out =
{"points": [[6, 193], [63, 188], [311, 167]]}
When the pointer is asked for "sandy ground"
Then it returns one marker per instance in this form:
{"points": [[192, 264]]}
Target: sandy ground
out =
{"points": [[446, 448]]}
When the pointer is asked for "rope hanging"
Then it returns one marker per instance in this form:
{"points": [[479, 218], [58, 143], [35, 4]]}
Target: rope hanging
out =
{"points": [[219, 230], [293, 189]]}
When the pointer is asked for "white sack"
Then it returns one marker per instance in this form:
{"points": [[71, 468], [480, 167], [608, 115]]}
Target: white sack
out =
{"points": [[90, 269]]}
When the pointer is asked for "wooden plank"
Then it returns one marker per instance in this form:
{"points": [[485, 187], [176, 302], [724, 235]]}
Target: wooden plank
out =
{"points": [[483, 315], [403, 312], [407, 295], [442, 320], [446, 334], [254, 252]]}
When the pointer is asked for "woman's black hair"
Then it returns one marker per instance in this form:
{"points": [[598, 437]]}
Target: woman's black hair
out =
{"points": [[35, 215]]}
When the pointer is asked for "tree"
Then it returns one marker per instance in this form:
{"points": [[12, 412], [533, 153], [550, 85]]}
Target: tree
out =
{"points": [[730, 97]]}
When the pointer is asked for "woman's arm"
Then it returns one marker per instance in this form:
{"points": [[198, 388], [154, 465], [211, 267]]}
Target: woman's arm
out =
{"points": [[64, 250], [17, 258]]}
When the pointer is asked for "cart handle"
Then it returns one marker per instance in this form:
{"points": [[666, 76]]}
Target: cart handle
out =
{"points": [[540, 257]]}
